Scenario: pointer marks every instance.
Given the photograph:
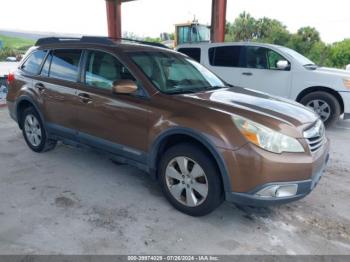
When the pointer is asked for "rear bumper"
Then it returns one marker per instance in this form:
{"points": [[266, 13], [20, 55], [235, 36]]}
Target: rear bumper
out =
{"points": [[12, 110]]}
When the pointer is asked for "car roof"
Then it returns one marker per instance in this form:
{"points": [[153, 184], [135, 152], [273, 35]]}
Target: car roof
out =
{"points": [[189, 45], [125, 45]]}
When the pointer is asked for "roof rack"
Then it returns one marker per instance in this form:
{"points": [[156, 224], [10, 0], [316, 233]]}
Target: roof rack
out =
{"points": [[142, 42], [92, 40]]}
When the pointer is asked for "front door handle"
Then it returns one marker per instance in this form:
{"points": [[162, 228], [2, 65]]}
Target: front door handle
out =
{"points": [[85, 98], [247, 73], [40, 87]]}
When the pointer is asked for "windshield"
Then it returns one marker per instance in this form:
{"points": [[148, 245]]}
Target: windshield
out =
{"points": [[172, 73], [203, 34], [299, 57]]}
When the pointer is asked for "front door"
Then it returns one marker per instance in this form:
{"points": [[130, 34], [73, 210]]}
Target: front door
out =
{"points": [[260, 71], [114, 122]]}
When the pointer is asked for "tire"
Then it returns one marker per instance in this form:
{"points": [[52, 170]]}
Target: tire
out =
{"points": [[34, 131], [209, 195], [324, 100]]}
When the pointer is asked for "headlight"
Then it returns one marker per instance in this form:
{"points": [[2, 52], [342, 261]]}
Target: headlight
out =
{"points": [[267, 138], [347, 83]]}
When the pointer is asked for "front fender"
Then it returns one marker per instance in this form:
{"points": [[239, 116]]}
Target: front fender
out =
{"points": [[201, 138]]}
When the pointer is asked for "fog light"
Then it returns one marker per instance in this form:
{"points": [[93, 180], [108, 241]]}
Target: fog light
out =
{"points": [[278, 191], [286, 191]]}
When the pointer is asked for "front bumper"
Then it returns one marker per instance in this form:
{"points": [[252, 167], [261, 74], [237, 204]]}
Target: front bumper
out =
{"points": [[346, 100], [252, 199], [276, 172]]}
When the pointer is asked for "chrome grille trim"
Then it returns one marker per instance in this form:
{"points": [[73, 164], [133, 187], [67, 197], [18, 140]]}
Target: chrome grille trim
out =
{"points": [[315, 136]]}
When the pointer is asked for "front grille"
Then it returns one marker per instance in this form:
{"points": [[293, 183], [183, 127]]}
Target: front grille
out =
{"points": [[315, 136]]}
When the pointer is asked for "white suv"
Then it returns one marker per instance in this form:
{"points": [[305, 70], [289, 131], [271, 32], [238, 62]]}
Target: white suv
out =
{"points": [[279, 71]]}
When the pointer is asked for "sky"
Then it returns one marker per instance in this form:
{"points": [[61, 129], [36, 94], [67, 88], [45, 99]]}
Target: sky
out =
{"points": [[151, 17]]}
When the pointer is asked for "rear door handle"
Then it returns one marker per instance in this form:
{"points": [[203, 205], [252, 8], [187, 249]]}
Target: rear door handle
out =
{"points": [[247, 73], [40, 87], [85, 98]]}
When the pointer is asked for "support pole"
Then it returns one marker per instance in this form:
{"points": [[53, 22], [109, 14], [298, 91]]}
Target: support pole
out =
{"points": [[218, 20], [114, 20]]}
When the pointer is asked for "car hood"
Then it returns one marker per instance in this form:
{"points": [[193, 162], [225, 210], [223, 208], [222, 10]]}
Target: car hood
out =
{"points": [[248, 103], [334, 71]]}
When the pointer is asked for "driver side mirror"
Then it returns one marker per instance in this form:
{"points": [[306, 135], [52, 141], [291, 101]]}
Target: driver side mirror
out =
{"points": [[283, 65], [124, 87]]}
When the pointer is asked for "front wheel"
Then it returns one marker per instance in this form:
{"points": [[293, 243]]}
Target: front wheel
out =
{"points": [[190, 180], [324, 104]]}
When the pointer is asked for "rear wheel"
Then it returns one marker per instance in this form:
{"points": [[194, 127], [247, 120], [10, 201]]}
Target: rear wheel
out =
{"points": [[190, 180], [34, 131], [324, 104]]}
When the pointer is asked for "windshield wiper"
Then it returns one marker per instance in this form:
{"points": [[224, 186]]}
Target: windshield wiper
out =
{"points": [[183, 91], [215, 87], [194, 90]]}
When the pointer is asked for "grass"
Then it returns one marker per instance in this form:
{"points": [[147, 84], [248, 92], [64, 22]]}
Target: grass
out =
{"points": [[14, 46], [15, 42]]}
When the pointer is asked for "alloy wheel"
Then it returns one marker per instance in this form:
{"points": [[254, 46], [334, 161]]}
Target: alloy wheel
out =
{"points": [[321, 107], [186, 181], [33, 130]]}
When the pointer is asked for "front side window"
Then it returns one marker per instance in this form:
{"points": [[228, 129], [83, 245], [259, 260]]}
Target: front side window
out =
{"points": [[65, 64], [171, 73], [261, 58], [34, 61], [103, 70], [273, 58], [226, 56], [256, 57]]}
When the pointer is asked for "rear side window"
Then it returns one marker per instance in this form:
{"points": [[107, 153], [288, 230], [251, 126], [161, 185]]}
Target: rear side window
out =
{"points": [[227, 56], [64, 64], [33, 63], [194, 53]]}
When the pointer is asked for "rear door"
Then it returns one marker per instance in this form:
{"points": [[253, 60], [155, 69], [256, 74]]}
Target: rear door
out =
{"points": [[261, 73], [226, 63], [57, 84]]}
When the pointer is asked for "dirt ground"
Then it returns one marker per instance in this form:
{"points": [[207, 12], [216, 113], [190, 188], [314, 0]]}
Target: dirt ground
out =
{"points": [[76, 201]]}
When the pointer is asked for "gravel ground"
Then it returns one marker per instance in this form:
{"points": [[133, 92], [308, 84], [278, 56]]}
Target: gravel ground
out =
{"points": [[76, 201]]}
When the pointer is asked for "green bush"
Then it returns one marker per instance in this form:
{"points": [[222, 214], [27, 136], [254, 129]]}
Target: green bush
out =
{"points": [[6, 52]]}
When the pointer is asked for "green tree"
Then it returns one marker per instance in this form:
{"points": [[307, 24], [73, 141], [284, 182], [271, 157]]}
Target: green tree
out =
{"points": [[304, 40], [271, 31], [153, 39], [340, 54], [319, 54], [243, 28]]}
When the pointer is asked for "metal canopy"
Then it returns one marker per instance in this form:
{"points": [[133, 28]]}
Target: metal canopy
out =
{"points": [[218, 19]]}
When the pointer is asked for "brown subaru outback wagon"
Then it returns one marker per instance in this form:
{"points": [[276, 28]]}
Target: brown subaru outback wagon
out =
{"points": [[159, 110]]}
